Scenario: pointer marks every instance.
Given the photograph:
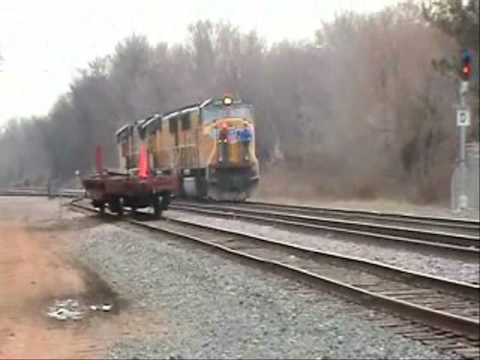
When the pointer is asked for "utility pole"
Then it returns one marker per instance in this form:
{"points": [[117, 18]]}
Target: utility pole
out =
{"points": [[463, 121]]}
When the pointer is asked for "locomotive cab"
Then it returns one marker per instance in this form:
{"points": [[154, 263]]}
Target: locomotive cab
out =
{"points": [[232, 172]]}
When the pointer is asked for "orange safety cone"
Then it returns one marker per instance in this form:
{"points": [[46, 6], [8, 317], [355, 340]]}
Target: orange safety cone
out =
{"points": [[143, 163]]}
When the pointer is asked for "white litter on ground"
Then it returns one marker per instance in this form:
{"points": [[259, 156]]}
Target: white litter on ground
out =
{"points": [[103, 307], [107, 307], [63, 310], [70, 309]]}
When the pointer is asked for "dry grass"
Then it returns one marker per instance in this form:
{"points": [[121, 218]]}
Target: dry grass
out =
{"points": [[294, 184]]}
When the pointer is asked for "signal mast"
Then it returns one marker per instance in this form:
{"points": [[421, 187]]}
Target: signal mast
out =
{"points": [[463, 121]]}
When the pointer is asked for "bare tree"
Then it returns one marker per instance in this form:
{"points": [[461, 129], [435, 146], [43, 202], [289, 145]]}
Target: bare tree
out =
{"points": [[358, 112]]}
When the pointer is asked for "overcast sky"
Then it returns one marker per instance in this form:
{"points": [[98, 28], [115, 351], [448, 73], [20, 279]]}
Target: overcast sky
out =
{"points": [[44, 42]]}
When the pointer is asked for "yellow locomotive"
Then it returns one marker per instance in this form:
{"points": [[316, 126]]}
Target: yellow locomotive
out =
{"points": [[210, 146]]}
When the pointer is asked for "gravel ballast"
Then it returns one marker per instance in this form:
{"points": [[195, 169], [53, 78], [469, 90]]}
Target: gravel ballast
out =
{"points": [[403, 258], [213, 307]]}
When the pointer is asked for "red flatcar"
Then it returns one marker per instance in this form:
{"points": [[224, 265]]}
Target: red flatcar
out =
{"points": [[137, 189]]}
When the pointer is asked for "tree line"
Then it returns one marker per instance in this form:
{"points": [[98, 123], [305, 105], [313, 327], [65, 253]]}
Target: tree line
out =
{"points": [[366, 109]]}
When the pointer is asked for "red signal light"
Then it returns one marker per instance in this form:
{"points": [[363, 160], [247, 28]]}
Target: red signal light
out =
{"points": [[466, 71]]}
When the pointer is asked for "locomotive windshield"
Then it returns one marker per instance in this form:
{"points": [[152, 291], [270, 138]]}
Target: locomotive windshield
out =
{"points": [[213, 112]]}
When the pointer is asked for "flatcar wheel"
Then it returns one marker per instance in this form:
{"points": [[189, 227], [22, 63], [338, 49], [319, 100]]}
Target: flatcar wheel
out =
{"points": [[120, 207], [157, 209], [166, 199], [120, 210], [116, 206]]}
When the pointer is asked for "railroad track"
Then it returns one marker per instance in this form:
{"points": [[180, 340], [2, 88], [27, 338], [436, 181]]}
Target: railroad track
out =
{"points": [[443, 312], [457, 225], [41, 191], [449, 237], [446, 243]]}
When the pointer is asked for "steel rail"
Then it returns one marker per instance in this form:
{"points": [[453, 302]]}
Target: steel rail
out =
{"points": [[399, 229], [465, 247], [449, 244], [458, 224], [402, 297], [68, 193]]}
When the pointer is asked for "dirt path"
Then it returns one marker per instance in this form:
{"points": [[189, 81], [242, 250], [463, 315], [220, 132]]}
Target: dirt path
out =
{"points": [[36, 269], [32, 275]]}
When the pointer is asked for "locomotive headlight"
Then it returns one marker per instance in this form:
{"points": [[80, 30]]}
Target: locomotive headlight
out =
{"points": [[227, 100]]}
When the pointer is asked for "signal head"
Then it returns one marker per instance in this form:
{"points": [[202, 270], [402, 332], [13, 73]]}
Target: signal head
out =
{"points": [[466, 70], [466, 57]]}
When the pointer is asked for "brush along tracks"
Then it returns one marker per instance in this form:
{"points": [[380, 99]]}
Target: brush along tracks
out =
{"points": [[440, 305], [412, 233]]}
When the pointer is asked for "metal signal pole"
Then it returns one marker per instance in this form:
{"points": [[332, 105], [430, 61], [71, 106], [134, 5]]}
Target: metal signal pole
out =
{"points": [[463, 121]]}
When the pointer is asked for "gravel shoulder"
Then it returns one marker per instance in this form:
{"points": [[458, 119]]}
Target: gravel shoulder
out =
{"points": [[202, 305], [428, 264]]}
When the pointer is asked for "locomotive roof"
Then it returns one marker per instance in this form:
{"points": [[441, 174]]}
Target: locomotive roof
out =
{"points": [[122, 129], [219, 101], [196, 106], [149, 120], [153, 121], [183, 109]]}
